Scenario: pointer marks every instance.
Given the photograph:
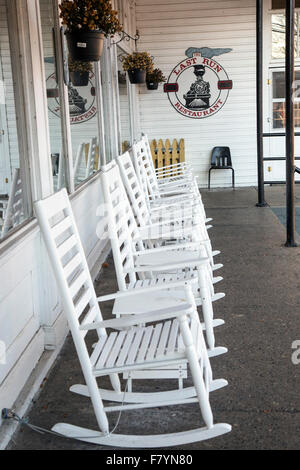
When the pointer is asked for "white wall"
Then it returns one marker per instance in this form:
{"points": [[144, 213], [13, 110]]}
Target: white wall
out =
{"points": [[167, 29]]}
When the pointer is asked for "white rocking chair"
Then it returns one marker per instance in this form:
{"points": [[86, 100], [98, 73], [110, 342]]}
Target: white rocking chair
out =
{"points": [[155, 266], [171, 340], [156, 191], [177, 222]]}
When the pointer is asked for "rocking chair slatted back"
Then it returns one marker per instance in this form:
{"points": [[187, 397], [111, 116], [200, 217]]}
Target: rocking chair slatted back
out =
{"points": [[122, 226], [134, 190], [68, 260], [145, 169]]}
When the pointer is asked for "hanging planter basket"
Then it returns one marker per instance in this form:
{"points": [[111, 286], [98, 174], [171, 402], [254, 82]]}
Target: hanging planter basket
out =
{"points": [[137, 76], [85, 46], [152, 85], [79, 78]]}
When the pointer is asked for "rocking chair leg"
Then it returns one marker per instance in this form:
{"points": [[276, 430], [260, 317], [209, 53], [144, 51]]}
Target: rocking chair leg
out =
{"points": [[115, 382], [206, 308], [196, 373]]}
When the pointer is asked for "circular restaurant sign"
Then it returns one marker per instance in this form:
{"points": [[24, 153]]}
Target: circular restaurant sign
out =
{"points": [[198, 87], [81, 100]]}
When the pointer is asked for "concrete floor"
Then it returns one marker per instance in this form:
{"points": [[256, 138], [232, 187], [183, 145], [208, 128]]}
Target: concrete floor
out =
{"points": [[261, 312]]}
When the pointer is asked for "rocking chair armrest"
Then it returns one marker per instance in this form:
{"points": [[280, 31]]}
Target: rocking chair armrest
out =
{"points": [[158, 198], [167, 204], [180, 166], [163, 249], [184, 163], [167, 267], [172, 216], [172, 185], [164, 223], [176, 179], [179, 193], [141, 290], [131, 320]]}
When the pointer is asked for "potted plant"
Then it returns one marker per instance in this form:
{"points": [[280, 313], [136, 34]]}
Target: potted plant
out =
{"points": [[154, 78], [137, 65], [88, 22], [79, 72]]}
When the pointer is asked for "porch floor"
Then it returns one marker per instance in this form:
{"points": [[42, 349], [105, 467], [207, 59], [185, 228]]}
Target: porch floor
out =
{"points": [[261, 312]]}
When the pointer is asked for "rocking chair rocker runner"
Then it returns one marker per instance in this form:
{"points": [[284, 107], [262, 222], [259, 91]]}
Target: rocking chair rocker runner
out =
{"points": [[170, 341]]}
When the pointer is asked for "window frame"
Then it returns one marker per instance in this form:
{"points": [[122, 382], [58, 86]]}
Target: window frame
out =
{"points": [[274, 70]]}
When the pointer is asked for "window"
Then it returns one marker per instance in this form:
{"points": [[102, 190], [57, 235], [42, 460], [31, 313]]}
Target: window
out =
{"points": [[278, 100], [124, 104], [53, 101], [13, 197], [83, 109], [278, 35]]}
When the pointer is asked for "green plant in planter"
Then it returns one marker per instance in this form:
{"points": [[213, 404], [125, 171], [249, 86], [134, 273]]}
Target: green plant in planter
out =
{"points": [[88, 22], [79, 72], [137, 64], [90, 15], [77, 66], [154, 78]]}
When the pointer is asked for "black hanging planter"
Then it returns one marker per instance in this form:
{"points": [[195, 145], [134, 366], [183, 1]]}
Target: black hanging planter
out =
{"points": [[79, 78], [85, 46], [152, 85], [137, 76]]}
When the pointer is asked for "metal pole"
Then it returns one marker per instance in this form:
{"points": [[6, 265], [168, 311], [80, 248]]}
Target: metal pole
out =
{"points": [[259, 103], [289, 113]]}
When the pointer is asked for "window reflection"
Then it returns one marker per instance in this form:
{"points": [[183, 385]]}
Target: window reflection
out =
{"points": [[12, 182], [278, 99], [124, 105]]}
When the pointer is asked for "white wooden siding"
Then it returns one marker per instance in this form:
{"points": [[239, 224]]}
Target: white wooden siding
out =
{"points": [[167, 29]]}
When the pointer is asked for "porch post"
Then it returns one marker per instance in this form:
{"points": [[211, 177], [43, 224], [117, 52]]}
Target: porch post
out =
{"points": [[289, 113], [259, 103]]}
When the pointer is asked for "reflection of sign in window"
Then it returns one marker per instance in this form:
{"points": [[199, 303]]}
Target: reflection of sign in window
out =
{"points": [[82, 103], [278, 99]]}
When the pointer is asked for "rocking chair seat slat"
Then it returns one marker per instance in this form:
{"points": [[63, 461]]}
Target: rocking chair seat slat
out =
{"points": [[134, 348], [97, 349], [145, 344], [141, 345], [124, 351], [153, 345], [106, 350], [163, 339]]}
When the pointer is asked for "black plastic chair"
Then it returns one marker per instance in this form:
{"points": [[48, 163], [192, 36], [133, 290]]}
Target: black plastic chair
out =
{"points": [[221, 160]]}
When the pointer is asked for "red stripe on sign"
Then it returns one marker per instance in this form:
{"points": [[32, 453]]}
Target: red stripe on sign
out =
{"points": [[225, 85], [52, 93], [170, 87]]}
